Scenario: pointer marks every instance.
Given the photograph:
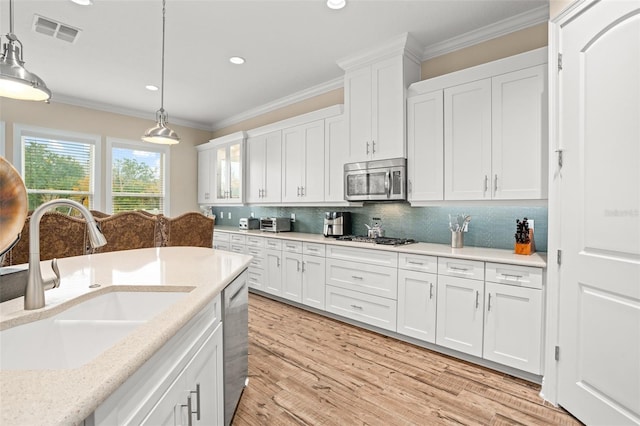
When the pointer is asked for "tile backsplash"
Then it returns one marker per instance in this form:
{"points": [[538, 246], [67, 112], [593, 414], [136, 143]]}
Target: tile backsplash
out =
{"points": [[490, 226]]}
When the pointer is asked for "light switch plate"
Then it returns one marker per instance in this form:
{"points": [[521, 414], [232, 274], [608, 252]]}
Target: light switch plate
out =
{"points": [[229, 215], [293, 217]]}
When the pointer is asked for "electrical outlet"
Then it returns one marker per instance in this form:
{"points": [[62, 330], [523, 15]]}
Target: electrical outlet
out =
{"points": [[221, 214], [376, 221], [229, 215], [253, 214], [293, 217]]}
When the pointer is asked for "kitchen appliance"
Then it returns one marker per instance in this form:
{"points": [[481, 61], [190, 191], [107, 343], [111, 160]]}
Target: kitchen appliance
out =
{"points": [[337, 224], [247, 223], [380, 180], [386, 241], [235, 343], [275, 224]]}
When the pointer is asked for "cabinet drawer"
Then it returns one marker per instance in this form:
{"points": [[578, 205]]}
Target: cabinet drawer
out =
{"points": [[237, 248], [273, 244], [370, 256], [258, 257], [255, 278], [292, 246], [471, 269], [375, 280], [418, 262], [368, 309], [221, 245], [523, 276], [254, 241], [313, 249], [221, 236], [238, 238]]}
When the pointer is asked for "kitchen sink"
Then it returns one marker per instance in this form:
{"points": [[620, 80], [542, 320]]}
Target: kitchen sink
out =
{"points": [[79, 334]]}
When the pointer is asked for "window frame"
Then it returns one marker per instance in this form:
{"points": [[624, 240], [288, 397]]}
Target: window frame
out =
{"points": [[21, 130], [140, 146]]}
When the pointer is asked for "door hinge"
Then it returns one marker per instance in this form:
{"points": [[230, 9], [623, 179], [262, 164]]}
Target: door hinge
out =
{"points": [[559, 257], [559, 61], [557, 353]]}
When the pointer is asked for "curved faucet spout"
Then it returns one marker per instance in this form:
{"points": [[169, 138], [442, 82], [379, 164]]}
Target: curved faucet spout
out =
{"points": [[34, 292]]}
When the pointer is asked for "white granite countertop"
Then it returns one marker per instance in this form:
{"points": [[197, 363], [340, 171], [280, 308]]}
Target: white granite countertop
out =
{"points": [[63, 397], [538, 260]]}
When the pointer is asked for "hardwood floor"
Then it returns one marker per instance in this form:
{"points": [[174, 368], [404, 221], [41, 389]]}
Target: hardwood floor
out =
{"points": [[306, 369]]}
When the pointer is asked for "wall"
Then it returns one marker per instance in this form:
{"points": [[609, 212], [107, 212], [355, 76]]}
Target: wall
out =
{"points": [[183, 173], [492, 227]]}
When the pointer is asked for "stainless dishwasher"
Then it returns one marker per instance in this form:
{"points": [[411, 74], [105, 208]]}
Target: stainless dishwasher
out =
{"points": [[235, 342]]}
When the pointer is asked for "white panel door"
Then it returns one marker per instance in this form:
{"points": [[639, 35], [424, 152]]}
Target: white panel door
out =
{"points": [[357, 99], [273, 271], [313, 281], [206, 167], [599, 278], [312, 180], [292, 276], [425, 135], [460, 314], [467, 141], [336, 154], [519, 127], [272, 168], [513, 326], [417, 295], [256, 154], [292, 163], [387, 123]]}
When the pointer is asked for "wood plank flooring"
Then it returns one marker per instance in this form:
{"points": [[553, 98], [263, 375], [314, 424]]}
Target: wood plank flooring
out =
{"points": [[306, 369]]}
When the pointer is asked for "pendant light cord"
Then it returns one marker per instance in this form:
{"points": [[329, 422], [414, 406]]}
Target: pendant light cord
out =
{"points": [[162, 78], [11, 16]]}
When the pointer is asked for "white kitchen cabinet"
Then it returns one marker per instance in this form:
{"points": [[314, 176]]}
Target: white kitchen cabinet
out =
{"points": [[256, 272], [459, 315], [425, 143], [417, 297], [273, 267], [197, 392], [336, 152], [303, 274], [221, 240], [467, 141], [366, 308], [513, 316], [206, 174], [313, 281], [264, 159], [292, 270], [303, 163], [519, 134]]}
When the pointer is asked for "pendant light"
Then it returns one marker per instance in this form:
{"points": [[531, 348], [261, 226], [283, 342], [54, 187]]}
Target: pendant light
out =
{"points": [[15, 81], [160, 133]]}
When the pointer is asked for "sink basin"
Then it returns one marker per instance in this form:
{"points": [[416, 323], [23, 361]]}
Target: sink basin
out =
{"points": [[79, 334]]}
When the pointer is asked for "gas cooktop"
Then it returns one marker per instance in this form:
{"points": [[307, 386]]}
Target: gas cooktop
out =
{"points": [[387, 241]]}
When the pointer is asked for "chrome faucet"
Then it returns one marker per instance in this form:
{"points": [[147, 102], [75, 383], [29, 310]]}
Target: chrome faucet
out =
{"points": [[34, 292]]}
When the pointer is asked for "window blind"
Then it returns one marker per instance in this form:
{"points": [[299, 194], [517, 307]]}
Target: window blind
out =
{"points": [[137, 180]]}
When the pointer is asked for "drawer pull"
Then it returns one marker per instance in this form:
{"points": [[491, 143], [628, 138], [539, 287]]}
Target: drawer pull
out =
{"points": [[412, 262], [477, 299], [458, 269], [510, 277], [356, 277], [291, 247], [357, 307], [312, 249]]}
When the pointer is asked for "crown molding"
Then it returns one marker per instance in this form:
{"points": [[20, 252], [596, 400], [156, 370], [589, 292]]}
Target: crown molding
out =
{"points": [[281, 103], [515, 23], [99, 106], [404, 44]]}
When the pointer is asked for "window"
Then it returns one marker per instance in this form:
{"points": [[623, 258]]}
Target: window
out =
{"points": [[56, 164], [137, 177]]}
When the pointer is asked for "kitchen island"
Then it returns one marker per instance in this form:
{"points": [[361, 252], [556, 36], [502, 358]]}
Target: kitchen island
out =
{"points": [[69, 396]]}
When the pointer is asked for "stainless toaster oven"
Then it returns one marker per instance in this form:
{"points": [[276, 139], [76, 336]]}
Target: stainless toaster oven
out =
{"points": [[275, 224]]}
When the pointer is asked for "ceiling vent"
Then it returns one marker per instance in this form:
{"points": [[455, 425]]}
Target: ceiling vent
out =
{"points": [[55, 29]]}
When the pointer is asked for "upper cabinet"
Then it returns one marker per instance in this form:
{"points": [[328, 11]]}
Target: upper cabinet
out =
{"points": [[303, 162], [375, 93], [220, 163], [264, 160], [336, 150], [483, 129]]}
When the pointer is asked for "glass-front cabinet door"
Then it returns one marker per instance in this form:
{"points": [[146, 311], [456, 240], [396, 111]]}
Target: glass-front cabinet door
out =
{"points": [[228, 168]]}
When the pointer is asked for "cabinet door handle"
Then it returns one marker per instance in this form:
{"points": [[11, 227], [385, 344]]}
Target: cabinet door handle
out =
{"points": [[297, 265], [495, 184], [477, 299], [302, 191], [367, 147], [303, 263], [189, 411], [298, 193], [373, 147], [430, 290], [486, 183], [278, 262], [489, 303]]}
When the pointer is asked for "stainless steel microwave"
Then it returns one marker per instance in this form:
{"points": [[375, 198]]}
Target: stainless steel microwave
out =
{"points": [[379, 180]]}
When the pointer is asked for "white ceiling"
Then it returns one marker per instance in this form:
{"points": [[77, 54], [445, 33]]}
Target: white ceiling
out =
{"points": [[289, 46]]}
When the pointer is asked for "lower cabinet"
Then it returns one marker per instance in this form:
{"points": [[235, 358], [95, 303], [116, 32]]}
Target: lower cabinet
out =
{"points": [[460, 314], [303, 274], [196, 397], [373, 310], [417, 292], [187, 370], [273, 267]]}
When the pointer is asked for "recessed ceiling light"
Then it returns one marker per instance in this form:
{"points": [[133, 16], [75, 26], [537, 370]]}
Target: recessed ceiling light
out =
{"points": [[83, 2], [237, 60], [151, 87], [336, 4]]}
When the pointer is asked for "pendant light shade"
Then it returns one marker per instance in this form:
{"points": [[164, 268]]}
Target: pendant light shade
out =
{"points": [[15, 81], [160, 133]]}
